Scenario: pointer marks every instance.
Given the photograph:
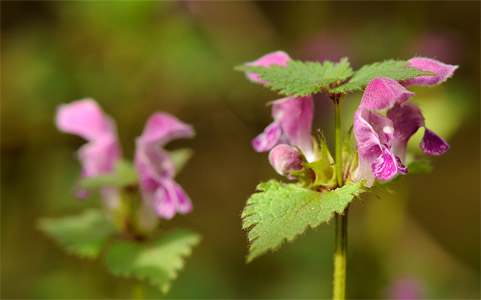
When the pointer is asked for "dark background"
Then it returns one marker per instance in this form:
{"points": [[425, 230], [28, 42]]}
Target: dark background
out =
{"points": [[136, 58]]}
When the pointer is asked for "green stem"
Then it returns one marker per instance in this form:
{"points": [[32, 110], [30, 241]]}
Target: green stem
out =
{"points": [[337, 107], [340, 252]]}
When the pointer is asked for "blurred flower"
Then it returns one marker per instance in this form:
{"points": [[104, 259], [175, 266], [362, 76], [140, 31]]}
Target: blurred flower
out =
{"points": [[382, 140], [285, 158], [99, 156], [156, 168], [405, 288]]}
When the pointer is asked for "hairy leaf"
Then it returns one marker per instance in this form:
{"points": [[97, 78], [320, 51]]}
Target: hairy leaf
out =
{"points": [[157, 262], [393, 69], [84, 235], [301, 78], [124, 175], [281, 212]]}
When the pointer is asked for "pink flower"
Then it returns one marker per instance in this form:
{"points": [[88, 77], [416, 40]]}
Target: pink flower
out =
{"points": [[292, 125], [382, 140], [156, 168], [86, 119]]}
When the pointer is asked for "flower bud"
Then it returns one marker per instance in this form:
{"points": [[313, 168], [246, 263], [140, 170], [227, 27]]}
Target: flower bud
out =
{"points": [[285, 158]]}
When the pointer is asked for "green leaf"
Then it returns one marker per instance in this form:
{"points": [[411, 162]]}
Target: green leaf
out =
{"points": [[323, 167], [394, 69], [157, 262], [181, 157], [84, 235], [281, 212], [301, 78], [124, 175]]}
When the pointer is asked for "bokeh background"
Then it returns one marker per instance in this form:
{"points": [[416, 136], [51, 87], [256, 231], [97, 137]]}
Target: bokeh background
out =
{"points": [[137, 57]]}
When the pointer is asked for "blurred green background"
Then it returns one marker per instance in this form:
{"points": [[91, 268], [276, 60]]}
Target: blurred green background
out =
{"points": [[136, 58]]}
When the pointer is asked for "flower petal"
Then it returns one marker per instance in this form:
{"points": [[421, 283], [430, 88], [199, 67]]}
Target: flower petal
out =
{"points": [[285, 158], [162, 128], [433, 144], [184, 204], [387, 165], [164, 201], [442, 71], [99, 156], [406, 118], [274, 58], [170, 198], [84, 118], [267, 139], [368, 145], [382, 93], [295, 115]]}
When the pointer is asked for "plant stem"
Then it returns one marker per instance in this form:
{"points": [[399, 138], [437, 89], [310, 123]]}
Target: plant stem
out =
{"points": [[340, 252], [337, 107]]}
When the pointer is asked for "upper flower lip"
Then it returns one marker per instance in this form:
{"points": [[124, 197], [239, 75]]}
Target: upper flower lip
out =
{"points": [[86, 119], [382, 93], [443, 71]]}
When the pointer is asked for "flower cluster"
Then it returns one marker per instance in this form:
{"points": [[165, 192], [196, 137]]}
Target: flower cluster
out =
{"points": [[154, 165], [381, 138]]}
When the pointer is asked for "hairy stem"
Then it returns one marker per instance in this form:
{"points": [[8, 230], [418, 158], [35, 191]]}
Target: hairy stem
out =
{"points": [[340, 252]]}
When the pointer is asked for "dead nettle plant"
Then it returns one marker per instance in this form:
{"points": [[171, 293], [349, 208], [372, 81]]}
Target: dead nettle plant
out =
{"points": [[324, 185]]}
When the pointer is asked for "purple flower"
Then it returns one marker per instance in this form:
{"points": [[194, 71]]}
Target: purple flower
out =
{"points": [[382, 140], [156, 168], [292, 125], [99, 156], [285, 158], [274, 58], [442, 71]]}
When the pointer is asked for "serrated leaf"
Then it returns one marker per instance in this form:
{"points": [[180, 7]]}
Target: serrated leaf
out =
{"points": [[181, 157], [157, 262], [393, 69], [301, 78], [84, 235], [281, 212], [124, 175], [323, 167]]}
